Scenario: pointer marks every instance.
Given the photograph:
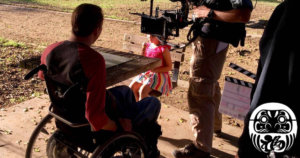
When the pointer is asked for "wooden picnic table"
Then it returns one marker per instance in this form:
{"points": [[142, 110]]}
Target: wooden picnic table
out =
{"points": [[136, 65]]}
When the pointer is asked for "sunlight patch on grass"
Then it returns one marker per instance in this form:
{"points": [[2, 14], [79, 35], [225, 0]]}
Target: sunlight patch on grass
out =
{"points": [[73, 3], [115, 9], [116, 17]]}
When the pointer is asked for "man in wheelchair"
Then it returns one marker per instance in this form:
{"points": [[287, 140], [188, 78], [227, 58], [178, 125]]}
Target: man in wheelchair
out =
{"points": [[75, 80]]}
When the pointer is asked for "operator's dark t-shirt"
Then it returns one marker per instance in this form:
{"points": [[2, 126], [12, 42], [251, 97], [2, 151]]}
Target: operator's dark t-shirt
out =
{"points": [[228, 32], [224, 5], [277, 74]]}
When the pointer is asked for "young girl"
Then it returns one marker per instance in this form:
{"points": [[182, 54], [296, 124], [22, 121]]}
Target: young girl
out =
{"points": [[157, 79]]}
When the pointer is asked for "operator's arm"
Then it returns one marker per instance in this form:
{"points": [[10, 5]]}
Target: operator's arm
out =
{"points": [[168, 62], [234, 16]]}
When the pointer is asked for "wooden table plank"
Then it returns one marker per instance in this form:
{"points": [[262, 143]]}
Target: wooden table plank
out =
{"points": [[124, 71]]}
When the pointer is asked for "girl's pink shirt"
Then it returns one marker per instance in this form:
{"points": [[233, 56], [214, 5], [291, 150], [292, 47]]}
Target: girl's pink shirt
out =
{"points": [[156, 52]]}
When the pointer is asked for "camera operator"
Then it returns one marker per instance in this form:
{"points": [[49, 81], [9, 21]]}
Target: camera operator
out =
{"points": [[226, 25]]}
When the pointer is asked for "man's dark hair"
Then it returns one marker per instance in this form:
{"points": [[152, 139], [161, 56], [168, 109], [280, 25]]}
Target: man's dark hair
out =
{"points": [[85, 19]]}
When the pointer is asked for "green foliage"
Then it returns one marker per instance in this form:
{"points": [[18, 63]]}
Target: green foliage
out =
{"points": [[13, 87], [105, 4], [10, 43], [115, 9], [116, 17], [109, 6]]}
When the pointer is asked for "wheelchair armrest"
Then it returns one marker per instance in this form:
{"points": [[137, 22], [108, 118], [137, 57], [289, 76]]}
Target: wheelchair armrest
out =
{"points": [[67, 122], [36, 70]]}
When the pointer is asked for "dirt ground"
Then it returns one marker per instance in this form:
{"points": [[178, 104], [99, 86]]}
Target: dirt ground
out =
{"points": [[38, 28]]}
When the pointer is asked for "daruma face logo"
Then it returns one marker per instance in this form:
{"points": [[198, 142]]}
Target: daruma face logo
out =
{"points": [[273, 127]]}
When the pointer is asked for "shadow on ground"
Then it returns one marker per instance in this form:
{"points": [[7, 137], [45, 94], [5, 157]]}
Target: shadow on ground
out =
{"points": [[260, 24], [230, 139], [176, 142], [30, 63], [11, 147], [179, 143]]}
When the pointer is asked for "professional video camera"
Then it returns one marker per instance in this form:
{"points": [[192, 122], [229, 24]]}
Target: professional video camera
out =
{"points": [[167, 23]]}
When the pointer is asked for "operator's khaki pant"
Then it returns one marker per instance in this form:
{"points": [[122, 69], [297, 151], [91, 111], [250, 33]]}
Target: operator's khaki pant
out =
{"points": [[204, 91]]}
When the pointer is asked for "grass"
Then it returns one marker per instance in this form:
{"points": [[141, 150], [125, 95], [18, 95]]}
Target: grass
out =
{"points": [[71, 4], [115, 9], [13, 88], [10, 43], [105, 4]]}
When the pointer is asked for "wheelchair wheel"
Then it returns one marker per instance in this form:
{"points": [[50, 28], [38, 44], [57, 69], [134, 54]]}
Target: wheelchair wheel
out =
{"points": [[57, 149], [37, 143], [126, 145]]}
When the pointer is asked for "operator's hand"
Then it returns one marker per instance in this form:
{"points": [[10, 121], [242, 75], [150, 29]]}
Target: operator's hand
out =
{"points": [[201, 11], [126, 124]]}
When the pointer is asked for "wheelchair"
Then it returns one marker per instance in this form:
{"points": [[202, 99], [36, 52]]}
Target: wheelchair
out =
{"points": [[58, 137]]}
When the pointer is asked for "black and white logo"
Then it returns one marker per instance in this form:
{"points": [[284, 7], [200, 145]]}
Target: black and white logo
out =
{"points": [[273, 127]]}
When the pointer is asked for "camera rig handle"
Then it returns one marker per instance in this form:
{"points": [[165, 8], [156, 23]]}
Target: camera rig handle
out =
{"points": [[151, 7]]}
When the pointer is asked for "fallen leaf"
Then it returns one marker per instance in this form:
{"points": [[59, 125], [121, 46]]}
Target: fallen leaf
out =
{"points": [[8, 132], [37, 149], [182, 120], [25, 110], [19, 142]]}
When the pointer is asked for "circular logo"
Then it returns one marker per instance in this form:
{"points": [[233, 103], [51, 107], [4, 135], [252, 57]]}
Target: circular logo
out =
{"points": [[273, 127]]}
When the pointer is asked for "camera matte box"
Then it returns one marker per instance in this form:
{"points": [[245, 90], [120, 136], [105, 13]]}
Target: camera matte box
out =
{"points": [[153, 25]]}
